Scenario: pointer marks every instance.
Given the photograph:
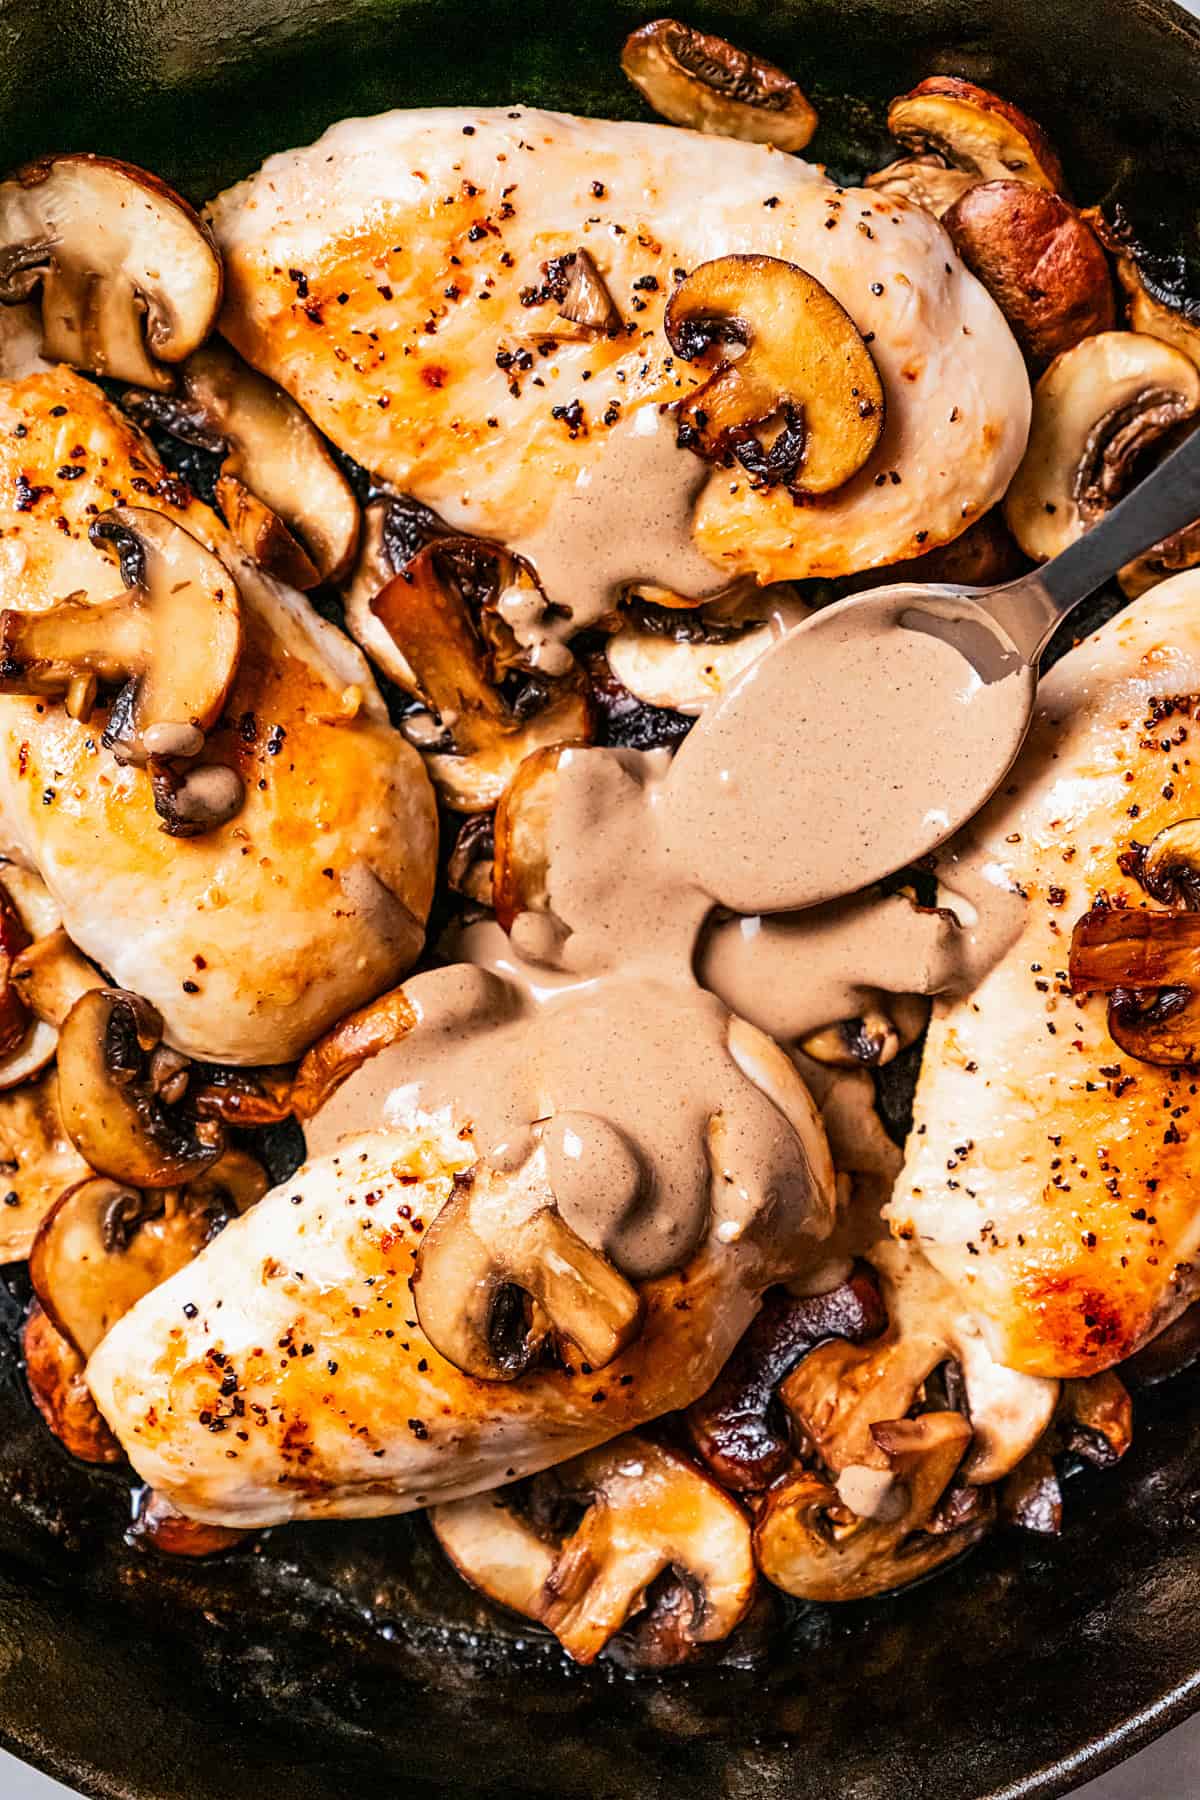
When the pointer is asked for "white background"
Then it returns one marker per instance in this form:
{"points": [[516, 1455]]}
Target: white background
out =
{"points": [[1168, 1770]]}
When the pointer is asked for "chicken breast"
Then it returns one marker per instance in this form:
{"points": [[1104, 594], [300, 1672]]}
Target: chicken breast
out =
{"points": [[391, 277], [254, 937], [284, 1375], [1049, 1176]]}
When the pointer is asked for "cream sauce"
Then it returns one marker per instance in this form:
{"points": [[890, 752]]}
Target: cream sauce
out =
{"points": [[854, 745], [627, 517]]}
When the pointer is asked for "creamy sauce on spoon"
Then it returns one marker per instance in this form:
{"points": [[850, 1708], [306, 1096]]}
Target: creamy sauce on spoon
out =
{"points": [[856, 744]]}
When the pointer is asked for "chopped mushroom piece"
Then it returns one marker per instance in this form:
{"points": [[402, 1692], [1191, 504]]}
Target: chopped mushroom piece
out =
{"points": [[179, 594], [874, 1039], [352, 1042], [245, 1097], [1097, 410], [809, 1542], [925, 180], [459, 663], [54, 1370], [804, 366], [738, 1427], [976, 131], [470, 868], [395, 528], [500, 1271], [1040, 262], [121, 1095], [161, 1525], [1155, 261], [649, 1510], [50, 976], [104, 1244], [284, 497], [1149, 965], [693, 78], [130, 278]]}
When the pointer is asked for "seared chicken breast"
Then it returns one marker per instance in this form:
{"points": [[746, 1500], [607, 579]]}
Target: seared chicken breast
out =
{"points": [[1050, 1176], [284, 1374], [397, 278], [254, 936]]}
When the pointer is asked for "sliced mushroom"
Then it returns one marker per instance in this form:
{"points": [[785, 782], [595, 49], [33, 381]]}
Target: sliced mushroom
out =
{"points": [[520, 867], [469, 870], [804, 365], [1179, 551], [649, 1510], [976, 131], [282, 493], [245, 1097], [1031, 1497], [872, 1040], [104, 1245], [500, 1270], [54, 1370], [130, 277], [159, 1523], [1149, 965], [395, 529], [179, 594], [1097, 410], [352, 1042], [810, 1543], [686, 658], [459, 662], [1041, 263], [695, 79], [1168, 867], [927, 181], [50, 977], [738, 1427], [1095, 1419], [119, 1112], [1150, 235]]}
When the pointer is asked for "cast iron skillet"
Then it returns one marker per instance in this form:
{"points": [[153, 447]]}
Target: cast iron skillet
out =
{"points": [[344, 1660]]}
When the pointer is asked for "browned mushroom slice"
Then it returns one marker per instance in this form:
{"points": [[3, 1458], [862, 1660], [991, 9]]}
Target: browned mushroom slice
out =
{"points": [[264, 536], [51, 975], [130, 278], [178, 594], [1154, 267], [872, 1040], [500, 1270], [104, 1245], [693, 78], [236, 1182], [245, 1097], [738, 1427], [160, 1524], [459, 661], [470, 868], [1149, 965], [976, 131], [1042, 265], [1169, 867], [352, 1042], [37, 1161], [1097, 410], [122, 1095], [54, 1370], [1095, 1419], [809, 1542], [520, 867], [395, 529], [649, 1510], [926, 181], [283, 495], [1031, 1497], [802, 406]]}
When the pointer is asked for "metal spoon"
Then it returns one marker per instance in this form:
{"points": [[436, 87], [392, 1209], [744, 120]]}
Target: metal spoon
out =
{"points": [[871, 733]]}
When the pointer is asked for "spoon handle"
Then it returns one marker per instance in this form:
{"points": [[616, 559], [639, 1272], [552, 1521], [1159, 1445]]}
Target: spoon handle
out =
{"points": [[1168, 499]]}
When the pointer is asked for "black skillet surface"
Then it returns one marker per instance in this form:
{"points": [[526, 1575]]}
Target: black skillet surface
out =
{"points": [[343, 1660]]}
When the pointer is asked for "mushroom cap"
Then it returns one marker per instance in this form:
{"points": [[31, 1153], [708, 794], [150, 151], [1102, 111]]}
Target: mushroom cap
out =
{"points": [[1096, 407], [130, 276], [1042, 264], [696, 79], [975, 130], [54, 1370]]}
